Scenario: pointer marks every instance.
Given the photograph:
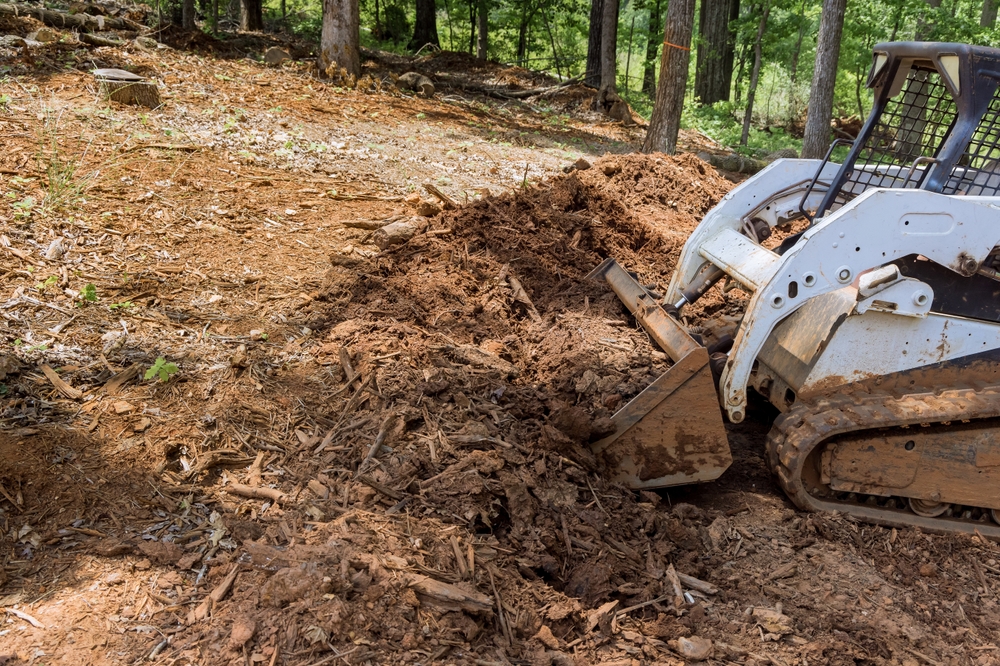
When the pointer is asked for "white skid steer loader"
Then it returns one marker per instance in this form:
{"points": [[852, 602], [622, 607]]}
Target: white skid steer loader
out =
{"points": [[875, 331]]}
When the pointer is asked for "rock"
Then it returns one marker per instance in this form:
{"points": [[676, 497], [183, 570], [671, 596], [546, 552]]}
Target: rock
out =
{"points": [[145, 43], [55, 250], [44, 35], [773, 621], [275, 56], [417, 83], [694, 648], [12, 41], [610, 169], [428, 208], [412, 200], [243, 630]]}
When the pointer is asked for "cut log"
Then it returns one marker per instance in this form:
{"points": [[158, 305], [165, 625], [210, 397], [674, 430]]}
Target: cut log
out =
{"points": [[82, 22], [398, 232], [126, 88]]}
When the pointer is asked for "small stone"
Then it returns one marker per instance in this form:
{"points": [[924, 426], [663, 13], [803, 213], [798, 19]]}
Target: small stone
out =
{"points": [[694, 648], [215, 298], [55, 250], [928, 570], [114, 578], [412, 200], [256, 334], [143, 564], [416, 82], [44, 35], [239, 357], [243, 630], [610, 169], [142, 425], [428, 208], [773, 621], [122, 407], [146, 42], [581, 164], [275, 56]]}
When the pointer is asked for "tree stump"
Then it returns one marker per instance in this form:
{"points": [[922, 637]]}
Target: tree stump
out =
{"points": [[127, 88]]}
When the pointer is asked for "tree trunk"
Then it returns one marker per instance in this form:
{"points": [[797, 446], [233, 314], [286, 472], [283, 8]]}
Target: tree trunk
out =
{"points": [[755, 75], [609, 50], [989, 15], [425, 26], [716, 51], [593, 75], [925, 26], [665, 122], [472, 26], [187, 15], [555, 53], [484, 22], [522, 37], [797, 51], [652, 46], [831, 27], [251, 15], [339, 41]]}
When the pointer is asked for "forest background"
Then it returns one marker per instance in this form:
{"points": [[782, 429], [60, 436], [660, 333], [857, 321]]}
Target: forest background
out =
{"points": [[729, 38]]}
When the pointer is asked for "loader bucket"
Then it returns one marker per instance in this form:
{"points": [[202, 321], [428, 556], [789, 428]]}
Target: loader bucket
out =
{"points": [[672, 433]]}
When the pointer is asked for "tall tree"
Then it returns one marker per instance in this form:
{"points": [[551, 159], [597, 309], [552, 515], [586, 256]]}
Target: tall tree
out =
{"points": [[609, 52], [989, 15], [652, 46], [831, 28], [755, 75], [716, 50], [425, 26], [340, 39], [251, 15], [187, 15], [665, 122], [593, 75], [484, 24]]}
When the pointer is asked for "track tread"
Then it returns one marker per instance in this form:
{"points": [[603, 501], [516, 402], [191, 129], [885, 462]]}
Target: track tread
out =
{"points": [[797, 432]]}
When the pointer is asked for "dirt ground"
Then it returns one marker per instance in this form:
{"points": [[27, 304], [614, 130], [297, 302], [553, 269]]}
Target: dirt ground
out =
{"points": [[367, 455]]}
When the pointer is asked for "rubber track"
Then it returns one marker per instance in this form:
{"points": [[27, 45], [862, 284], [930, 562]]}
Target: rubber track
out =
{"points": [[797, 432]]}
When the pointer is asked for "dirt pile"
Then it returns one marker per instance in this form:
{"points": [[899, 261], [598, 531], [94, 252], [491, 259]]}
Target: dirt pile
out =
{"points": [[476, 365]]}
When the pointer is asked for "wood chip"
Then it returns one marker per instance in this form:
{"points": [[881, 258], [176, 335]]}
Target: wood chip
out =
{"points": [[272, 494], [60, 385], [27, 618], [450, 596]]}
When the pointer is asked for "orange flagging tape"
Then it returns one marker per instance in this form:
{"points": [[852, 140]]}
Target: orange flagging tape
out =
{"points": [[682, 48]]}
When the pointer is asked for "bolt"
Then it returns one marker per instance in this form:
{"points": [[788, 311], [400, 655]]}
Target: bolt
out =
{"points": [[970, 265]]}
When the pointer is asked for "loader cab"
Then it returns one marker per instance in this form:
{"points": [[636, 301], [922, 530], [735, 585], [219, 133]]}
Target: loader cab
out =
{"points": [[935, 124]]}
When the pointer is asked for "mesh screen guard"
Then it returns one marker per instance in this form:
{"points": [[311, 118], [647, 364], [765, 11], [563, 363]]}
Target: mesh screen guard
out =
{"points": [[914, 123]]}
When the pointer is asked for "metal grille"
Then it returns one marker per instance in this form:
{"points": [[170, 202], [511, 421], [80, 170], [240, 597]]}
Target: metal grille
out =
{"points": [[913, 124], [978, 171]]}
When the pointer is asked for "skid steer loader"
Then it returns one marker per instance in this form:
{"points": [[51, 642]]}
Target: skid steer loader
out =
{"points": [[875, 330]]}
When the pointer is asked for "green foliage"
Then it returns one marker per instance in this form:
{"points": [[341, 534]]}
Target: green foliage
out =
{"points": [[89, 293], [162, 369], [124, 305], [50, 281]]}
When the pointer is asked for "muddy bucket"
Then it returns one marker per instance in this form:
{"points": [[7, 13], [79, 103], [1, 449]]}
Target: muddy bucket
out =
{"points": [[672, 433]]}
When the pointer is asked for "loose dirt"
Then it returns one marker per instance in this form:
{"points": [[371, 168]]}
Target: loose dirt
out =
{"points": [[379, 456]]}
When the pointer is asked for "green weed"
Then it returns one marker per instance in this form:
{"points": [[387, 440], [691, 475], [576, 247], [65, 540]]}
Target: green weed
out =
{"points": [[162, 369]]}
